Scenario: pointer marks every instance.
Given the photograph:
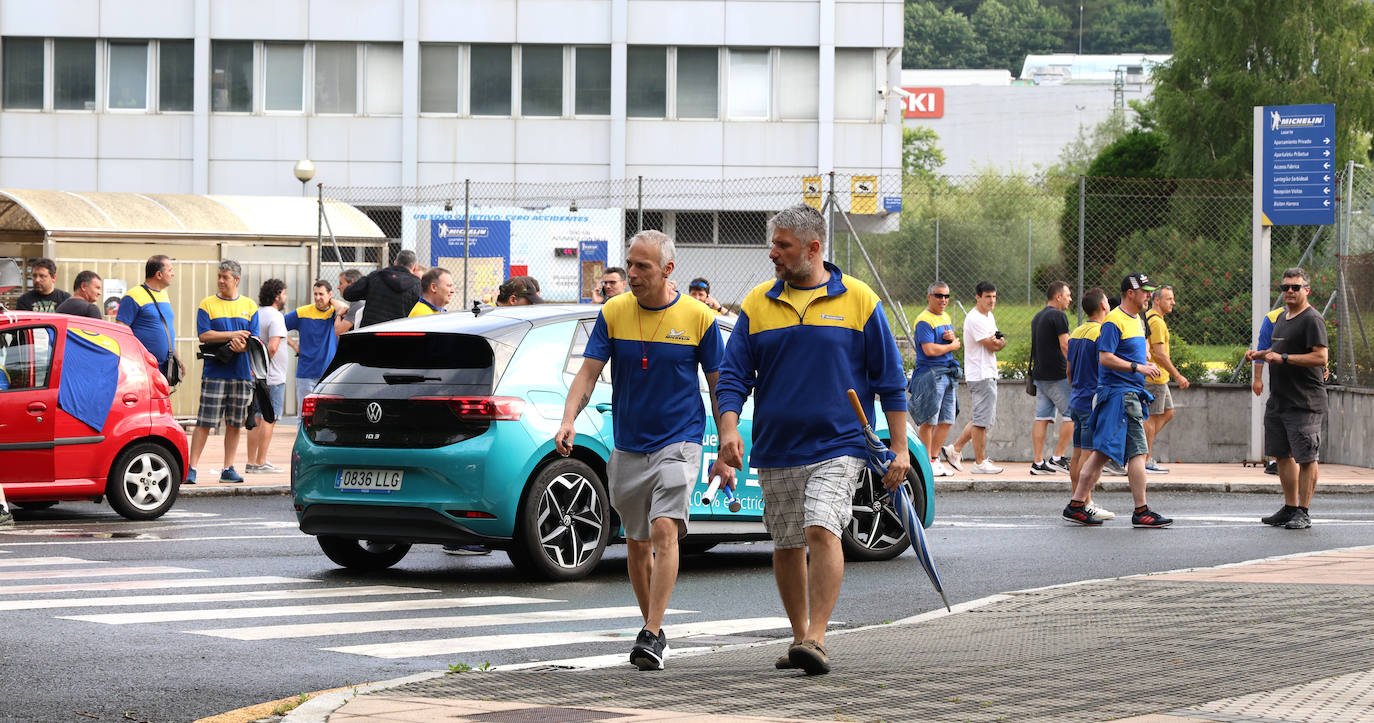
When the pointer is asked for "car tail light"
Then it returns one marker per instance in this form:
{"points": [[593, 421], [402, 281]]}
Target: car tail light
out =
{"points": [[481, 409], [472, 514], [309, 405], [161, 389]]}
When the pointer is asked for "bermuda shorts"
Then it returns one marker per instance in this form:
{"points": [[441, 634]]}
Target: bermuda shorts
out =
{"points": [[225, 399], [946, 387], [1051, 397], [304, 386], [1135, 427], [645, 487], [1163, 399], [1082, 428], [811, 495], [1295, 433], [278, 394], [983, 392]]}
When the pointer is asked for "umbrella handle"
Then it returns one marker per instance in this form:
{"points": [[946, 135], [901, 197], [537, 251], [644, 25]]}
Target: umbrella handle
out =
{"points": [[858, 408]]}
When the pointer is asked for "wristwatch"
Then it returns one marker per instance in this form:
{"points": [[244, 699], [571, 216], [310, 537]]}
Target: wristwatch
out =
{"points": [[1133, 367], [1285, 357]]}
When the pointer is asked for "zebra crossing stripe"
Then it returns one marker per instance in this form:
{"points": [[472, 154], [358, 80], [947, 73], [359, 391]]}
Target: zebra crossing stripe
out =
{"points": [[148, 584], [483, 643], [36, 561], [165, 616], [204, 597], [305, 630], [92, 572]]}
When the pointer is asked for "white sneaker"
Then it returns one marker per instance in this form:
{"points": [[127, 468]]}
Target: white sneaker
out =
{"points": [[986, 467], [951, 457], [939, 470], [1099, 512]]}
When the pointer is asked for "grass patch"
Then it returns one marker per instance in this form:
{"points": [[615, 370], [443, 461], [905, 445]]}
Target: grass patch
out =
{"points": [[290, 704]]}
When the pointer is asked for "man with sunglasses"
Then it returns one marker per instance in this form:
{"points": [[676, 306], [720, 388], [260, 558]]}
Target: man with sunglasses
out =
{"points": [[935, 379], [700, 289], [1296, 408]]}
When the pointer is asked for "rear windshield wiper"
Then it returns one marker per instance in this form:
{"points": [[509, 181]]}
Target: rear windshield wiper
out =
{"points": [[408, 378]]}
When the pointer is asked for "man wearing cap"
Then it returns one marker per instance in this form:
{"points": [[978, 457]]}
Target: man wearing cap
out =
{"points": [[518, 291], [1120, 410], [700, 289]]}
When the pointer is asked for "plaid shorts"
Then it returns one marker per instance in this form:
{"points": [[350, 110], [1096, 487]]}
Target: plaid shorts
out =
{"points": [[225, 399], [812, 495]]}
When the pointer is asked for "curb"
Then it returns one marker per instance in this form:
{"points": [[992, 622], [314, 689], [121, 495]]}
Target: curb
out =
{"points": [[319, 708], [1119, 484], [236, 491]]}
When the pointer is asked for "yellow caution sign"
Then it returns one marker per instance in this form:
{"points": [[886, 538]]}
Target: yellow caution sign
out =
{"points": [[811, 191], [863, 194]]}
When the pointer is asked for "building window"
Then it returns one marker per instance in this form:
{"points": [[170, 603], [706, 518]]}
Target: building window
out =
{"points": [[383, 96], [284, 77], [541, 80], [231, 76], [855, 80], [698, 83], [748, 84], [175, 75], [439, 78], [128, 77], [799, 80], [336, 78], [695, 227], [73, 80], [646, 82], [653, 220], [489, 80], [592, 84], [23, 73], [743, 228]]}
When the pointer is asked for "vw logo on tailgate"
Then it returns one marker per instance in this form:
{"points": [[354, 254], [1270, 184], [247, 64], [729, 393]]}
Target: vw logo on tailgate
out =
{"points": [[374, 412]]}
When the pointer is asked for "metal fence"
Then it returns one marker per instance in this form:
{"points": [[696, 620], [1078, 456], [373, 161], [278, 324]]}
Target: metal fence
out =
{"points": [[1020, 232]]}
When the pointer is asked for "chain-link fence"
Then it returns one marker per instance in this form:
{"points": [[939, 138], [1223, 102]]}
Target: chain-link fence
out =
{"points": [[1019, 232]]}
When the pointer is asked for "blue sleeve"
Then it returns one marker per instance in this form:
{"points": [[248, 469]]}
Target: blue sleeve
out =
{"points": [[1109, 339], [1266, 336], [925, 333], [885, 375], [202, 322], [253, 327], [293, 321], [599, 344], [709, 351], [128, 311], [737, 370]]}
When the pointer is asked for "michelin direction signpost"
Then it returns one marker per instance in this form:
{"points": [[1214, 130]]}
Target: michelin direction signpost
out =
{"points": [[1294, 171]]}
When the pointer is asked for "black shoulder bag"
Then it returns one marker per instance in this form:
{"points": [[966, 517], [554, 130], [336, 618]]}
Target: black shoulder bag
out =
{"points": [[172, 367]]}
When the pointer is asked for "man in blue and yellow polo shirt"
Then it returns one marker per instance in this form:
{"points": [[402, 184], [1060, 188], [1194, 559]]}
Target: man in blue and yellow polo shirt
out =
{"points": [[436, 288], [225, 388], [1119, 412], [1083, 372], [800, 343], [657, 339], [314, 322], [147, 311], [935, 347]]}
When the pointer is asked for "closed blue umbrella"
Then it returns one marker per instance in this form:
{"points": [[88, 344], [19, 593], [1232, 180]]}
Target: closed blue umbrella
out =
{"points": [[879, 457]]}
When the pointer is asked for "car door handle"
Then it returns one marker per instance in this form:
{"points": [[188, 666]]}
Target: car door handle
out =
{"points": [[130, 399], [604, 408], [37, 407]]}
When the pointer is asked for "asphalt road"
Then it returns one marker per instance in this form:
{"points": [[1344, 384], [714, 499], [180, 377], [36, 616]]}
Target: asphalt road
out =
{"points": [[178, 659]]}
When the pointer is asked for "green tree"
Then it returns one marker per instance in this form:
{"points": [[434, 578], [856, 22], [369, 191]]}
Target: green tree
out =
{"points": [[1128, 26], [1231, 56], [1078, 154], [1012, 29], [921, 154], [936, 38]]}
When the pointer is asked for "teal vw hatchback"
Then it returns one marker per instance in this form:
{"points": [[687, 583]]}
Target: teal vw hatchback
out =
{"points": [[439, 430]]}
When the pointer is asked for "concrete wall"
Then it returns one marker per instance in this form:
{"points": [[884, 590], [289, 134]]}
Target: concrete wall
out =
{"points": [[1349, 427]]}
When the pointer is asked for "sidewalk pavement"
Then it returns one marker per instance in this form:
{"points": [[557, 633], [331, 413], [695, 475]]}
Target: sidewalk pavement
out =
{"points": [[1281, 639]]}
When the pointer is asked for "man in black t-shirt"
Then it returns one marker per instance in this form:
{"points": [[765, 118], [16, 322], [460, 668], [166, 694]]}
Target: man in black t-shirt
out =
{"points": [[1297, 400], [1049, 370], [88, 287], [44, 296]]}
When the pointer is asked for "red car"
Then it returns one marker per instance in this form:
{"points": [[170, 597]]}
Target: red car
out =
{"points": [[85, 414]]}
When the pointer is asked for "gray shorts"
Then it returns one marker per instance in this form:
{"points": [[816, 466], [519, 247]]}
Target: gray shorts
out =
{"points": [[1051, 397], [1163, 399], [1295, 433], [811, 495], [644, 487], [223, 399], [984, 395]]}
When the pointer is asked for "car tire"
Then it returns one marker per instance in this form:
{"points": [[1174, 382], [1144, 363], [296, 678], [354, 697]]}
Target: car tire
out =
{"points": [[563, 524], [362, 554], [695, 548], [36, 505], [875, 531], [143, 482]]}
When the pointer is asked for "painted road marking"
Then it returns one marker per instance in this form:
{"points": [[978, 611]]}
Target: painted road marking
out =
{"points": [[35, 561], [91, 572], [165, 616], [148, 584], [199, 597]]}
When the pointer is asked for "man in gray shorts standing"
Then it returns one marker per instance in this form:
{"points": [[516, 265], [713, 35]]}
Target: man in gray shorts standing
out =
{"points": [[800, 342], [980, 370], [657, 339]]}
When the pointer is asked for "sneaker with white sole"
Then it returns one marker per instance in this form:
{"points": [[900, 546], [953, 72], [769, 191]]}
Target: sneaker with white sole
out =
{"points": [[1060, 463], [1100, 513], [1112, 469], [650, 651], [949, 456], [939, 470], [1043, 468], [986, 467], [1153, 468]]}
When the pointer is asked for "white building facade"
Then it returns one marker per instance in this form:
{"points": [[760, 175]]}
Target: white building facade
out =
{"points": [[225, 96]]}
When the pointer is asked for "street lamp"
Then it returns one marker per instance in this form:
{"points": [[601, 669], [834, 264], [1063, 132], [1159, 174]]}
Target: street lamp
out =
{"points": [[304, 170]]}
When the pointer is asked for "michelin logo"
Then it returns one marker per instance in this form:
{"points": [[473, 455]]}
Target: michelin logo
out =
{"points": [[1277, 121]]}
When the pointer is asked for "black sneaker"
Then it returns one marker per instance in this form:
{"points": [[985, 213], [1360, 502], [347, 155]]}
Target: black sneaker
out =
{"points": [[1081, 516], [6, 517], [1043, 468], [1149, 519], [649, 651], [1061, 462], [1299, 521], [1271, 467], [1280, 518]]}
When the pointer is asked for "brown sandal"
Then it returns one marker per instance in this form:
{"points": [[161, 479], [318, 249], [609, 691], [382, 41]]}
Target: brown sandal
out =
{"points": [[810, 656], [784, 662]]}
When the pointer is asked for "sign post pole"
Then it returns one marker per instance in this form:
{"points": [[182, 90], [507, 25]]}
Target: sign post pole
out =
{"points": [[1259, 277]]}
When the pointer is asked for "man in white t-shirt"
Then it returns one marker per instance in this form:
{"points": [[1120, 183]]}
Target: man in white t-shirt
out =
{"points": [[271, 321], [983, 341]]}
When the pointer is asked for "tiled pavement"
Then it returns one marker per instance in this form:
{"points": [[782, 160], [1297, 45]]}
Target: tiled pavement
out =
{"points": [[1287, 639]]}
